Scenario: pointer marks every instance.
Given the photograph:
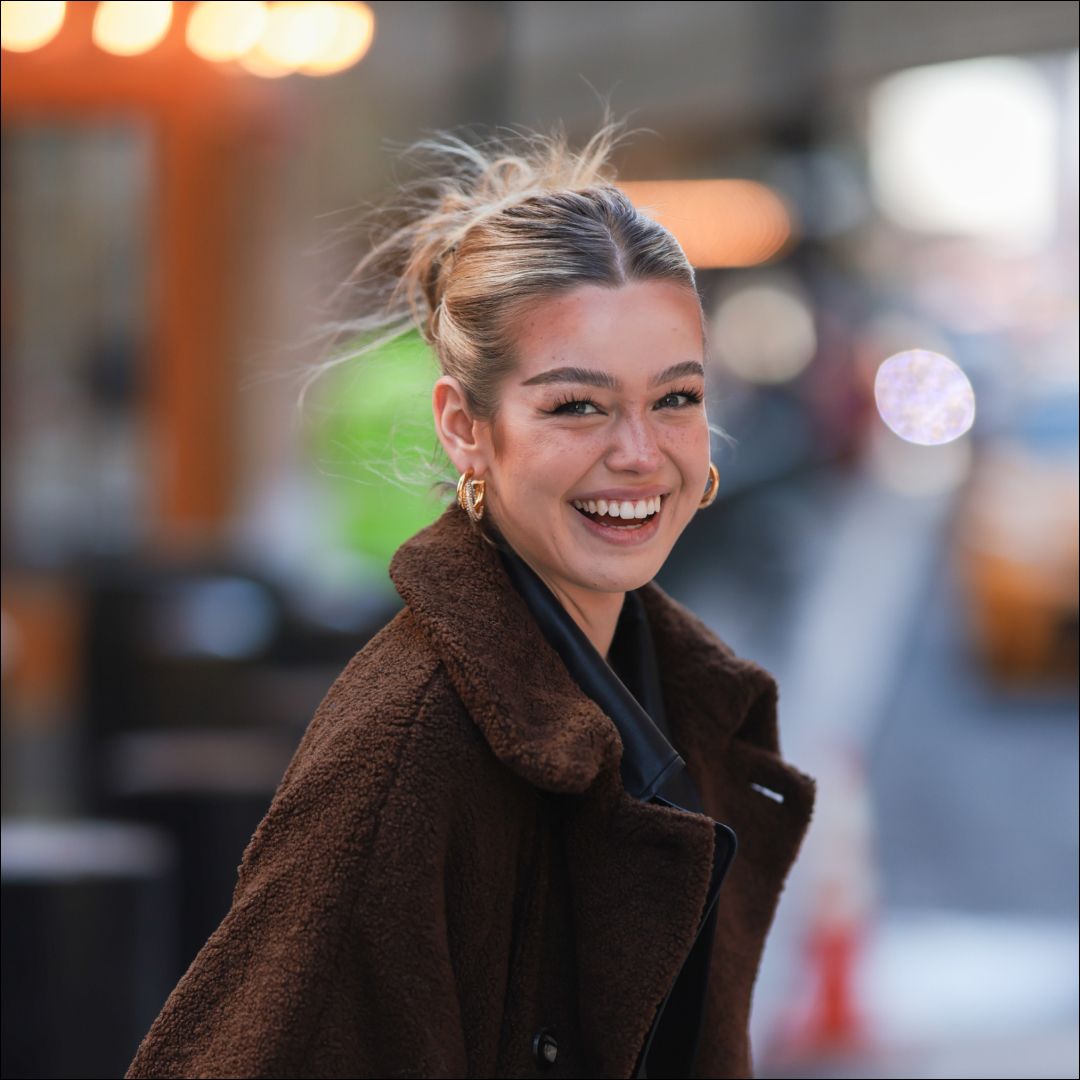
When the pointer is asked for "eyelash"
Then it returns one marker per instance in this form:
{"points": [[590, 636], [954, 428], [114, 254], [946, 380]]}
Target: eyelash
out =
{"points": [[693, 396]]}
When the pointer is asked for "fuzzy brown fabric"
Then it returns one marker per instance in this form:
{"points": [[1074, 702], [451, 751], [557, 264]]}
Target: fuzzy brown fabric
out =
{"points": [[451, 864]]}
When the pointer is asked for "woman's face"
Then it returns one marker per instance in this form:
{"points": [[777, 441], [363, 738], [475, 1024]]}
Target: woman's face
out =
{"points": [[605, 409]]}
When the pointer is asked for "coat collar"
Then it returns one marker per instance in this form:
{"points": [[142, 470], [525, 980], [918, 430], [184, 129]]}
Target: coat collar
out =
{"points": [[532, 712]]}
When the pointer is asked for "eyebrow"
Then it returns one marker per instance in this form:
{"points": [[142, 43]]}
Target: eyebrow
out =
{"points": [[606, 381]]}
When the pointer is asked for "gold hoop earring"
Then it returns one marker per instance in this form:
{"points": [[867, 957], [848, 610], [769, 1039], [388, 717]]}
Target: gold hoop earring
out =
{"points": [[712, 487], [470, 495]]}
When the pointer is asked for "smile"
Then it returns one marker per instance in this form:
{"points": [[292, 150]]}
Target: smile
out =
{"points": [[621, 522]]}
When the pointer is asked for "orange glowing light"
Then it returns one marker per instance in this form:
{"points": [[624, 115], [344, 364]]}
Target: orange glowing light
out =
{"points": [[718, 222]]}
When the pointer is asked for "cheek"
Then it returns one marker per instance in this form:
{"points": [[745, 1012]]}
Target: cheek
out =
{"points": [[533, 451], [689, 444], [550, 448], [543, 461]]}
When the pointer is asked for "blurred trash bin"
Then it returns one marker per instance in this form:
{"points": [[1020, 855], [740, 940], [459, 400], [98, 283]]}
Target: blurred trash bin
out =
{"points": [[89, 931], [208, 790]]}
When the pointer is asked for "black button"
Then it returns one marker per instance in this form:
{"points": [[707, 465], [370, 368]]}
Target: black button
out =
{"points": [[545, 1048]]}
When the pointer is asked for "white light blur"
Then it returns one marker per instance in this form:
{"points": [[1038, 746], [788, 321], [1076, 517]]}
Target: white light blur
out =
{"points": [[924, 397], [933, 979], [1071, 120], [764, 333], [26, 25], [220, 30], [353, 32], [966, 147], [258, 62], [295, 32], [130, 27], [319, 37]]}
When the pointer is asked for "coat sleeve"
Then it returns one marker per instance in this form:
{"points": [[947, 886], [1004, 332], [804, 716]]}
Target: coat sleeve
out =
{"points": [[333, 958]]}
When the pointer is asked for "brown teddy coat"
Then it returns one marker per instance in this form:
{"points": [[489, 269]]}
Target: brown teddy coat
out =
{"points": [[451, 880]]}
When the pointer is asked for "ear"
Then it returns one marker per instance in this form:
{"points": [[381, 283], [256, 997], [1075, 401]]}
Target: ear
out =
{"points": [[465, 440]]}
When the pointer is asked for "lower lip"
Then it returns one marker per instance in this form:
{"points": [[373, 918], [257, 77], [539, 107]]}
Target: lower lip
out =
{"points": [[622, 535]]}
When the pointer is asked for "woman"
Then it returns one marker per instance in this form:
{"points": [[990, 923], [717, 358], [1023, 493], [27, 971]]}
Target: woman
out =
{"points": [[507, 842]]}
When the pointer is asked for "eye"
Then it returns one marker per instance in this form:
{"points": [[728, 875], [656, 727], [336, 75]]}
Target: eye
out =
{"points": [[693, 397], [566, 408]]}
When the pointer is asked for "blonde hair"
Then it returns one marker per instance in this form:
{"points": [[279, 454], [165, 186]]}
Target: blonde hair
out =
{"points": [[490, 227]]}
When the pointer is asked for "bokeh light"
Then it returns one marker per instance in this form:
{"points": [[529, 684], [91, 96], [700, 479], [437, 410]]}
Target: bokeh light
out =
{"points": [[353, 32], [316, 38], [718, 222], [966, 147], [295, 32], [25, 26], [764, 333], [924, 397], [256, 61], [130, 27], [225, 29]]}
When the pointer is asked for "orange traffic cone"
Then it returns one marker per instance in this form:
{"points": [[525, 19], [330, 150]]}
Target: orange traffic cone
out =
{"points": [[828, 1021]]}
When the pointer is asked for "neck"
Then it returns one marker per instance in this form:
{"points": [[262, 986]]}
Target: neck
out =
{"points": [[596, 613]]}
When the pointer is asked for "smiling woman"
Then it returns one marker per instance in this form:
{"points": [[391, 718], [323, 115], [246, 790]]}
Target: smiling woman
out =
{"points": [[506, 844], [641, 434]]}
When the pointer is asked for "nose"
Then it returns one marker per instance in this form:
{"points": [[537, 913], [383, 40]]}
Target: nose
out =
{"points": [[636, 446]]}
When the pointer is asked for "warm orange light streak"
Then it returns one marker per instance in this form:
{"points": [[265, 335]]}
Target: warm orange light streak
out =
{"points": [[718, 222]]}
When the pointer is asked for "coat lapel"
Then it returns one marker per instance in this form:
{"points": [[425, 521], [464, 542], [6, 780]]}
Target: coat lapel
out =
{"points": [[640, 872]]}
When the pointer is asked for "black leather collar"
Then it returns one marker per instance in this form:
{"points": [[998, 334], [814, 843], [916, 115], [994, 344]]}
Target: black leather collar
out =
{"points": [[650, 765]]}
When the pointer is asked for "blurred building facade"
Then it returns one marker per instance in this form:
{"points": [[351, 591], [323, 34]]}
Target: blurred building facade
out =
{"points": [[187, 562]]}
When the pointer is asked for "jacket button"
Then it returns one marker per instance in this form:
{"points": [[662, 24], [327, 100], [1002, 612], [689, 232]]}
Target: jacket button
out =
{"points": [[545, 1048]]}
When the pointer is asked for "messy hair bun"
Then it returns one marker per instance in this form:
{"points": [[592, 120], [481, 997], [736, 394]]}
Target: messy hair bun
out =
{"points": [[486, 229]]}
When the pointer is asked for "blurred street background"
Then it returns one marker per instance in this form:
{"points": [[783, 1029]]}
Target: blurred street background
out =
{"points": [[880, 200]]}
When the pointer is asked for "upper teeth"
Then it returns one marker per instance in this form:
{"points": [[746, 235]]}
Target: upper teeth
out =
{"points": [[624, 509]]}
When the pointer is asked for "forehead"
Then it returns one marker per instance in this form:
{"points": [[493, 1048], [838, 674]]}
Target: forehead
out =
{"points": [[634, 328]]}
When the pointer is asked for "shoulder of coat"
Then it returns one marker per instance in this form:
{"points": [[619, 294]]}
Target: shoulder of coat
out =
{"points": [[392, 708], [386, 753], [391, 672]]}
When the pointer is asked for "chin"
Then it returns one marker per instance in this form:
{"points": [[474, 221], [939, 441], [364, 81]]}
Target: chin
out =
{"points": [[623, 582]]}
